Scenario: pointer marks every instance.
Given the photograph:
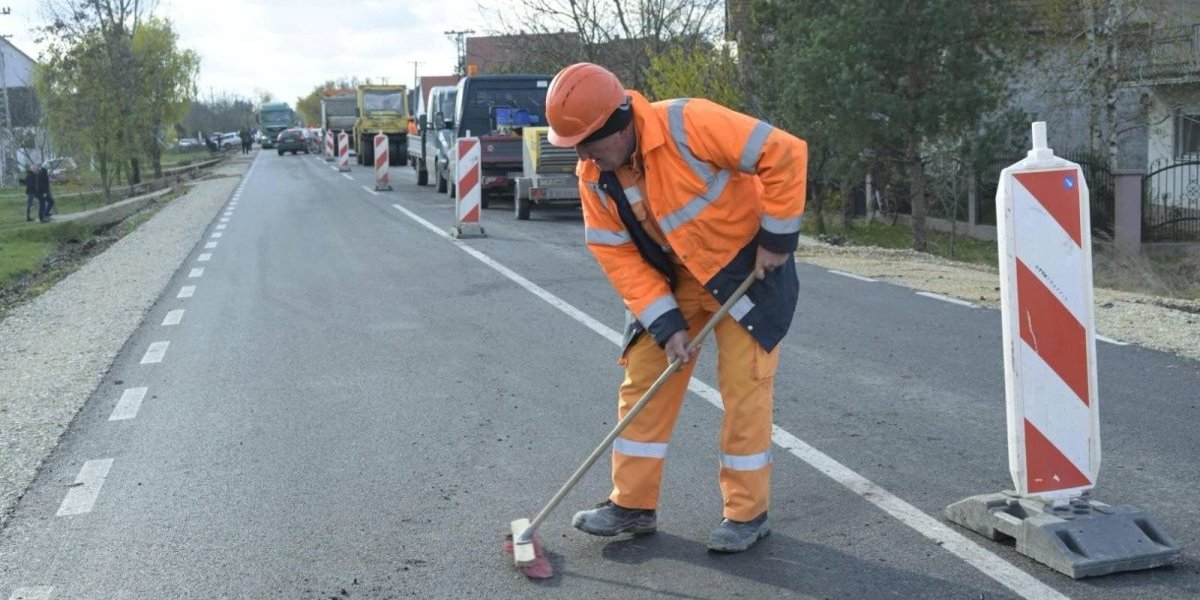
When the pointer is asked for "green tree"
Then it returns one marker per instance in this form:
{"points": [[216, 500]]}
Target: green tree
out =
{"points": [[695, 72], [874, 85], [166, 75]]}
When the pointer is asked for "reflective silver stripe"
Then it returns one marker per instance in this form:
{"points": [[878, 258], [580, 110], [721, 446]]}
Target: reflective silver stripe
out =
{"points": [[657, 309], [605, 237], [746, 462], [642, 449], [633, 195], [754, 147], [740, 308], [780, 226], [600, 194], [679, 132], [689, 211]]}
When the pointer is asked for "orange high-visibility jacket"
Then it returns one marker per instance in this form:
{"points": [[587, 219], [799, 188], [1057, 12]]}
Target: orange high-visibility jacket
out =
{"points": [[718, 184]]}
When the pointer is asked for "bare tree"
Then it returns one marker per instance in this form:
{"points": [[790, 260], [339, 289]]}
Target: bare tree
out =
{"points": [[623, 35]]}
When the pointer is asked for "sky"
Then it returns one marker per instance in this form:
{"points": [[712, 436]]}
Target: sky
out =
{"points": [[287, 47]]}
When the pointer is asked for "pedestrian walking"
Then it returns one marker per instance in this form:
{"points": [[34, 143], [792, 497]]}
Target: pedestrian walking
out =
{"points": [[245, 135], [682, 201], [37, 187]]}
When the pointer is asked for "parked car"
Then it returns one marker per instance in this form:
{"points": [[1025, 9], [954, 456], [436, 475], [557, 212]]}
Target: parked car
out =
{"points": [[231, 140], [190, 144], [61, 169], [292, 140]]}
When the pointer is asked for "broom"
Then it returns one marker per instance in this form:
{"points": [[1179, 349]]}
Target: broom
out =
{"points": [[523, 541]]}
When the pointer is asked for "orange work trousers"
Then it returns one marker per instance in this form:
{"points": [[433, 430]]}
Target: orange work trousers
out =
{"points": [[746, 377]]}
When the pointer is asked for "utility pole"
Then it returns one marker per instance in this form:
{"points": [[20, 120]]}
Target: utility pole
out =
{"points": [[414, 64], [460, 42], [7, 139]]}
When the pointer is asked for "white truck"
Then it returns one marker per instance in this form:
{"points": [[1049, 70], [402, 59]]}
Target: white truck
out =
{"points": [[429, 150]]}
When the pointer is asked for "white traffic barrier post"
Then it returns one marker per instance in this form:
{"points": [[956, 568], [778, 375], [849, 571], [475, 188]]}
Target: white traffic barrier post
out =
{"points": [[467, 190], [328, 146], [343, 152], [1045, 244], [381, 163]]}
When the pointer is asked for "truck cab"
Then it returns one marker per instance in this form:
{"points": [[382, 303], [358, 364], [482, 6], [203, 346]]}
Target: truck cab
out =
{"points": [[495, 109], [381, 109], [437, 134]]}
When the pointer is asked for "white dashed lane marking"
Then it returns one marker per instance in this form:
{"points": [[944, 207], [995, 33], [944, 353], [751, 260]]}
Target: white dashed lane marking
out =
{"points": [[210, 245], [83, 493], [186, 291], [946, 299], [852, 275], [155, 353], [370, 191], [216, 234], [205, 257], [32, 593], [173, 317], [197, 272], [129, 404]]}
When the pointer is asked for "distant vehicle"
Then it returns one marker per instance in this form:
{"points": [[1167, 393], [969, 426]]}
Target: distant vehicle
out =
{"points": [[339, 112], [230, 140], [190, 144], [429, 150], [273, 119], [61, 169], [381, 109], [292, 140]]}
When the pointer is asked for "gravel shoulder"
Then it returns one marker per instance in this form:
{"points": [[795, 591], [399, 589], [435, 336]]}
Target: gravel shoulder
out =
{"points": [[58, 347], [1165, 324]]}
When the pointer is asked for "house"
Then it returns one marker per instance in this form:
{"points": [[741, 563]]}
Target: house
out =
{"points": [[20, 137]]}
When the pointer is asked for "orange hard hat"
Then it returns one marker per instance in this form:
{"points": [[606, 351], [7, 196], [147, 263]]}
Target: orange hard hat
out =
{"points": [[580, 99]]}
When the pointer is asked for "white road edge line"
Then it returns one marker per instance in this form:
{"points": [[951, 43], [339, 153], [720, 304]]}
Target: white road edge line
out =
{"points": [[82, 495], [32, 593], [173, 317], [973, 554], [947, 299], [370, 191], [1111, 341], [129, 404], [347, 176], [852, 276], [155, 353]]}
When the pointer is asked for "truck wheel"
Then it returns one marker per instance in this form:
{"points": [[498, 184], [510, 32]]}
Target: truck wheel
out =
{"points": [[521, 207], [441, 181], [484, 200], [395, 158], [366, 158], [422, 176]]}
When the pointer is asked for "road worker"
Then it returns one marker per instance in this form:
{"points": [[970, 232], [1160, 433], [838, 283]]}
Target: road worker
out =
{"points": [[682, 200]]}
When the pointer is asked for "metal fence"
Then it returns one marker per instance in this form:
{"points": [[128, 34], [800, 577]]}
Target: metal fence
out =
{"points": [[1171, 202], [1096, 172]]}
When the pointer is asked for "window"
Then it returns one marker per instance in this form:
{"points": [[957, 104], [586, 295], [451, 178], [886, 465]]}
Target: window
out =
{"points": [[1187, 135]]}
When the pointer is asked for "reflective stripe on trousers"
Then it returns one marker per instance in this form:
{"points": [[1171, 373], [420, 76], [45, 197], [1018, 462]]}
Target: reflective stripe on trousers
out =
{"points": [[745, 375]]}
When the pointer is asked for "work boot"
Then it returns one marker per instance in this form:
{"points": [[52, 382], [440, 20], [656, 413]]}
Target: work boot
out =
{"points": [[608, 519], [736, 536]]}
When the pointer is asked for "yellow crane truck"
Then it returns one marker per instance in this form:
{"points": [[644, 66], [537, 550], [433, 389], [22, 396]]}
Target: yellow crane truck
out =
{"points": [[381, 108]]}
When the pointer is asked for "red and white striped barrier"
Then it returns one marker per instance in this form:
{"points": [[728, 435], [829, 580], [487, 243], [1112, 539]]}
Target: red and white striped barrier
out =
{"points": [[343, 151], [329, 146], [468, 190], [381, 163], [1045, 247]]}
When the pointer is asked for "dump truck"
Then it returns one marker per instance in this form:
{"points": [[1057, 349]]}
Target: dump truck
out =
{"points": [[273, 118], [496, 108], [339, 112], [548, 174], [381, 108], [429, 150]]}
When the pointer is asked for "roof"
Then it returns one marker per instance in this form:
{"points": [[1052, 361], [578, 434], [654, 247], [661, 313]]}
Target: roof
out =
{"points": [[501, 53]]}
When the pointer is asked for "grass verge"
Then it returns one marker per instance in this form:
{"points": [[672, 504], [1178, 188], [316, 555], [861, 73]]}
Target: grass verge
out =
{"points": [[35, 256]]}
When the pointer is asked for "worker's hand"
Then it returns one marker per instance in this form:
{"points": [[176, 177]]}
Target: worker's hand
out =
{"points": [[767, 261], [676, 347]]}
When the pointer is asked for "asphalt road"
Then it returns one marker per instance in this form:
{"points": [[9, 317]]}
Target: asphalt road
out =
{"points": [[352, 405]]}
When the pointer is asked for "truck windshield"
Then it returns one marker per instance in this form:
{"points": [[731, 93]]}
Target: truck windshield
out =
{"points": [[446, 105], [379, 101], [278, 117], [482, 97]]}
